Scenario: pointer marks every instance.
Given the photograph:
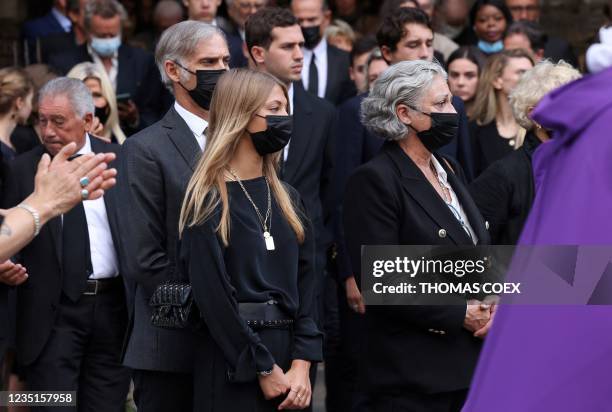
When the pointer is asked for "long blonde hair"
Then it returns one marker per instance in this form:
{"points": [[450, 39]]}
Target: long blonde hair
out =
{"points": [[239, 94], [88, 70], [485, 105]]}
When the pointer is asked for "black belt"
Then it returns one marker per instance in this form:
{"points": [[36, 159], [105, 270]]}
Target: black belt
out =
{"points": [[264, 315], [98, 286]]}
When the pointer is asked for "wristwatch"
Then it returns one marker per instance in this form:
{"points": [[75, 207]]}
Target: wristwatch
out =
{"points": [[265, 373]]}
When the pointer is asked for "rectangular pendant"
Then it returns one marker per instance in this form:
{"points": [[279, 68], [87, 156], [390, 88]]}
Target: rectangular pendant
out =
{"points": [[269, 242]]}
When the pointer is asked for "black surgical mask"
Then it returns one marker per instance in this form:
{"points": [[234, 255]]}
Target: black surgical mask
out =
{"points": [[275, 137], [102, 113], [443, 129], [205, 86], [312, 36]]}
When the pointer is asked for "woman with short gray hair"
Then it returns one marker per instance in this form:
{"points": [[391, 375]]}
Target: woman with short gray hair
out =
{"points": [[410, 195], [504, 192]]}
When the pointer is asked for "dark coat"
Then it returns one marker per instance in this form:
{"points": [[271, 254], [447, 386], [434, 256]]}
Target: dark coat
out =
{"points": [[310, 165], [390, 202]]}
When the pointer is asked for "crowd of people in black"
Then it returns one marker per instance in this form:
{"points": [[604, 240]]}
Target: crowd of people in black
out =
{"points": [[257, 147]]}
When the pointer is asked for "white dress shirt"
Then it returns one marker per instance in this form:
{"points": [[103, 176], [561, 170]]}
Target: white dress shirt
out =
{"points": [[320, 53], [454, 205], [196, 124], [112, 73], [103, 254], [62, 20]]}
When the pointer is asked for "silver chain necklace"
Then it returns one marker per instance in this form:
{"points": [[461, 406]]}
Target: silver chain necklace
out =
{"points": [[267, 228]]}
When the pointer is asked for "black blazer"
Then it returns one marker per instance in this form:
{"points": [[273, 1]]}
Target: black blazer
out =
{"points": [[38, 298], [389, 202], [157, 165], [356, 146], [310, 164], [340, 87], [138, 75], [504, 193]]}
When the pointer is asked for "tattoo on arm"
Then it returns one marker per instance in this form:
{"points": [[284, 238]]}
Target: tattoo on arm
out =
{"points": [[5, 230]]}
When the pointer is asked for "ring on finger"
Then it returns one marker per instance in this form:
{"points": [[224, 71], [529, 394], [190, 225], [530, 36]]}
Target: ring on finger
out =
{"points": [[84, 181], [84, 194]]}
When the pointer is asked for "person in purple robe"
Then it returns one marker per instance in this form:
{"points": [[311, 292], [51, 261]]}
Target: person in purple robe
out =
{"points": [[558, 357]]}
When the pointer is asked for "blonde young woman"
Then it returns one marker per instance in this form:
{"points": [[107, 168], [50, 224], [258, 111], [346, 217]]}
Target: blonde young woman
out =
{"points": [[248, 251], [104, 99], [493, 128]]}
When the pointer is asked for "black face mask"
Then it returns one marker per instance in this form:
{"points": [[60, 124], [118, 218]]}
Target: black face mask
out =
{"points": [[102, 113], [443, 130], [312, 36], [205, 86], [275, 137]]}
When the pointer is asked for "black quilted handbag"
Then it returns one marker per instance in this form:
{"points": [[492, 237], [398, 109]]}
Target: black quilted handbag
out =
{"points": [[174, 307]]}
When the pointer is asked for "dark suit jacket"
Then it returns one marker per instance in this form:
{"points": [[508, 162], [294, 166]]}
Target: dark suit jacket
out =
{"points": [[38, 298], [138, 75], [356, 146], [389, 202], [340, 87], [309, 166], [157, 165]]}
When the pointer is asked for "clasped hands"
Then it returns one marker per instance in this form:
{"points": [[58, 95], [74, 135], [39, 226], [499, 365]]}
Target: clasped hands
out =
{"points": [[295, 384], [479, 315]]}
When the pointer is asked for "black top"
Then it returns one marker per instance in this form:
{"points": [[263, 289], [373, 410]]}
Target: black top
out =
{"points": [[488, 145], [504, 193], [245, 271]]}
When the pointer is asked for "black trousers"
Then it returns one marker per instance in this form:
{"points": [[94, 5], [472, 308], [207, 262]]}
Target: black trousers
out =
{"points": [[83, 354], [157, 391]]}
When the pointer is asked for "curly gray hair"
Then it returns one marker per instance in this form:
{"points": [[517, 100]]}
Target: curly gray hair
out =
{"points": [[404, 82], [535, 84]]}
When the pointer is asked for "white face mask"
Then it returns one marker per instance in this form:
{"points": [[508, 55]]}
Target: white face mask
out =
{"points": [[106, 47]]}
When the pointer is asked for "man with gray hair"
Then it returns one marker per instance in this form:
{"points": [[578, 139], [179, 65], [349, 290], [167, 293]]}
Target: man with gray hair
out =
{"points": [[141, 99], [72, 313], [158, 163]]}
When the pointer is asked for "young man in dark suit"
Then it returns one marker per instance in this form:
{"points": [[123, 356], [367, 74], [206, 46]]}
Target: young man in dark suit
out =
{"points": [[131, 70], [325, 72], [274, 40], [158, 163], [71, 312]]}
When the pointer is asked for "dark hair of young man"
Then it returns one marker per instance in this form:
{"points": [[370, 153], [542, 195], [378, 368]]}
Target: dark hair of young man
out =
{"points": [[393, 27], [258, 28]]}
